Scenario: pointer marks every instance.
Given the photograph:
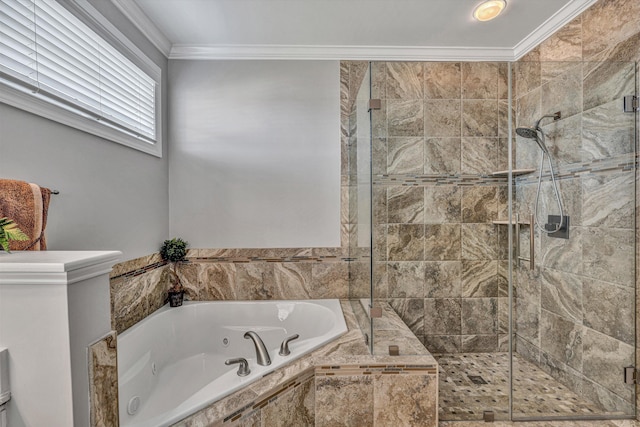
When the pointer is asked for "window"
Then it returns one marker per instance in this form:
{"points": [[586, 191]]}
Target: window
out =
{"points": [[49, 54]]}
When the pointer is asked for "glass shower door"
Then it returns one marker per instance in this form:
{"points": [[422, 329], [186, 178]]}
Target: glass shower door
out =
{"points": [[361, 294], [573, 290]]}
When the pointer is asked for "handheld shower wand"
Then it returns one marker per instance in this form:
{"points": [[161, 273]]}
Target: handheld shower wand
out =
{"points": [[535, 133]]}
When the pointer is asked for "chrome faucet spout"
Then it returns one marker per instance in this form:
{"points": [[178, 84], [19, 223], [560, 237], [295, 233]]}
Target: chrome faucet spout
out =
{"points": [[262, 354]]}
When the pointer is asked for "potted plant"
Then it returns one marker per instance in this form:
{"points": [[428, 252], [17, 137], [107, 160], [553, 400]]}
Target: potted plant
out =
{"points": [[174, 251], [10, 231]]}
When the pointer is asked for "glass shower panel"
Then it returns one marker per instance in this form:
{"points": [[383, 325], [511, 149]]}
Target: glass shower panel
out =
{"points": [[573, 305], [360, 205]]}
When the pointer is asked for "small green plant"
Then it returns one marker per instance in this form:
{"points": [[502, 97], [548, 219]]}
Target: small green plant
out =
{"points": [[174, 251], [10, 231]]}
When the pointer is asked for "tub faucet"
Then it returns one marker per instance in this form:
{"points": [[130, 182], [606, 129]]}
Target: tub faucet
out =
{"points": [[261, 351]]}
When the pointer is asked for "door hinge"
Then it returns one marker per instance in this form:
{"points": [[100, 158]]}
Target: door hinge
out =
{"points": [[630, 375], [375, 104], [630, 103]]}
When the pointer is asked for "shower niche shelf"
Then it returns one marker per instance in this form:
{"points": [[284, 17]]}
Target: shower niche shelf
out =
{"points": [[506, 222], [515, 172]]}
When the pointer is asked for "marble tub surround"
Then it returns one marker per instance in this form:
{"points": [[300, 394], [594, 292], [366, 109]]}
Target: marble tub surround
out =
{"points": [[230, 274], [103, 384], [339, 384], [575, 313]]}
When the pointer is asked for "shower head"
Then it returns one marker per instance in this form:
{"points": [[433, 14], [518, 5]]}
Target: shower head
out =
{"points": [[532, 133]]}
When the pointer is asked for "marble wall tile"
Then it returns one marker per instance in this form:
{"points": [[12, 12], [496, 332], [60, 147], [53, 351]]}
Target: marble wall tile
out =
{"points": [[411, 311], [379, 242], [442, 316], [405, 117], [480, 118], [442, 156], [442, 242], [407, 400], [562, 372], [597, 34], [479, 155], [503, 80], [609, 309], [563, 254], [380, 124], [561, 294], [357, 71], [292, 280], [562, 339], [528, 73], [479, 316], [442, 118], [442, 204], [405, 205], [527, 350], [379, 206], [218, 281], [405, 242], [344, 401], [607, 132], [405, 155], [329, 280], [479, 241], [479, 279], [503, 316], [608, 254], [479, 343], [103, 382], [443, 344], [255, 281], [443, 279], [527, 321], [564, 139], [528, 108], [294, 407], [561, 49], [608, 401], [379, 148], [608, 200], [479, 204], [129, 303], [404, 80], [442, 80], [480, 80], [605, 82], [503, 119], [564, 93], [378, 80], [406, 279], [603, 355]]}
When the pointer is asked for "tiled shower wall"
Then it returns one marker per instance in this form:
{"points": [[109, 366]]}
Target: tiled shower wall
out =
{"points": [[575, 311], [438, 259]]}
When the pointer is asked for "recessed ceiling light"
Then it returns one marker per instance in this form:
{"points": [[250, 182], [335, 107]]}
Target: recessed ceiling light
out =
{"points": [[488, 10]]}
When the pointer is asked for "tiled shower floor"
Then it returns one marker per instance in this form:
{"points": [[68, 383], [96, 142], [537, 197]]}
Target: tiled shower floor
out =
{"points": [[471, 383]]}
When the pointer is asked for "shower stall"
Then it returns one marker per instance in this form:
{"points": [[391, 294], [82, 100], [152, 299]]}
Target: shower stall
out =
{"points": [[493, 207]]}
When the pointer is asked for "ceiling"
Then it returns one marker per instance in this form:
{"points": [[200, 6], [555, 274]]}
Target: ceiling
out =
{"points": [[346, 29]]}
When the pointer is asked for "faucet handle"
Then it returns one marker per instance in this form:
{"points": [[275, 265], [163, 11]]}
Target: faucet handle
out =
{"points": [[243, 369], [284, 347]]}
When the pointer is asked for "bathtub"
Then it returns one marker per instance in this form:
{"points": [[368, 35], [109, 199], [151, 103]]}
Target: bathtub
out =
{"points": [[171, 364]]}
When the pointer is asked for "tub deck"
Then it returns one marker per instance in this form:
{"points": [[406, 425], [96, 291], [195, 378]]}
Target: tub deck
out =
{"points": [[340, 384]]}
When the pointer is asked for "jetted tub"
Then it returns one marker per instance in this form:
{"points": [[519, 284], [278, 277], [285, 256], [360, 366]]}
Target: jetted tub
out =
{"points": [[171, 364]]}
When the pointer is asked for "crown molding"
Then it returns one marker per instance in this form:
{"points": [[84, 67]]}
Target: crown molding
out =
{"points": [[133, 12], [313, 52], [550, 26]]}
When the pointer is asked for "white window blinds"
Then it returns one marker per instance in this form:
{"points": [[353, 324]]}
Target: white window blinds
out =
{"points": [[47, 51]]}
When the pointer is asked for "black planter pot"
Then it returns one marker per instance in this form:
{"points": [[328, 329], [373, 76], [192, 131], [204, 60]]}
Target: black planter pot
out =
{"points": [[175, 298]]}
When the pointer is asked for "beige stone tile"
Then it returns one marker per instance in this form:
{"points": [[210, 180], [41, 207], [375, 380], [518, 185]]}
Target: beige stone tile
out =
{"points": [[345, 401], [406, 400]]}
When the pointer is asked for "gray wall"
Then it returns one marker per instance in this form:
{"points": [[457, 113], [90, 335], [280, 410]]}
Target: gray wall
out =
{"points": [[112, 197], [254, 153]]}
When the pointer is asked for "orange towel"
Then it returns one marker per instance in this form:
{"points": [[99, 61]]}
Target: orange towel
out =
{"points": [[27, 205]]}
